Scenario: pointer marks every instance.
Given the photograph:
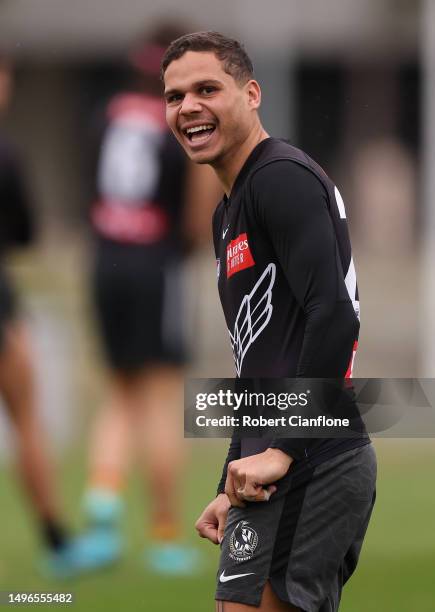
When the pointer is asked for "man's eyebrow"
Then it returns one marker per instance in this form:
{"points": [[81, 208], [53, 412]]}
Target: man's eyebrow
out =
{"points": [[170, 92], [196, 85], [207, 82]]}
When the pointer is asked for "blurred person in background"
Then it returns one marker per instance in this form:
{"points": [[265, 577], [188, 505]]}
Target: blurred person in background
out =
{"points": [[150, 209], [17, 384]]}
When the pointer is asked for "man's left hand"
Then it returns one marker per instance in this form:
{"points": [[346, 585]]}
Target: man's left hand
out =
{"points": [[250, 479]]}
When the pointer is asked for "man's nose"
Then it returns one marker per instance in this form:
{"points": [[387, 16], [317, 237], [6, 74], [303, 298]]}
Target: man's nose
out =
{"points": [[190, 104]]}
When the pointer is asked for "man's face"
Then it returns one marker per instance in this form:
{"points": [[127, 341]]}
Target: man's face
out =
{"points": [[210, 114]]}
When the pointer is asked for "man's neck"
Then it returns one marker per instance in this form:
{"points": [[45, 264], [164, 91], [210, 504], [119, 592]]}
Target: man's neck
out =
{"points": [[230, 167]]}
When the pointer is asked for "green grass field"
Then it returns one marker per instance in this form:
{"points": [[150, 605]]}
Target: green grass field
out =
{"points": [[396, 571]]}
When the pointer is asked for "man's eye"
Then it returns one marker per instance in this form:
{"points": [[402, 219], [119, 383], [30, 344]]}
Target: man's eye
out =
{"points": [[173, 98], [207, 89]]}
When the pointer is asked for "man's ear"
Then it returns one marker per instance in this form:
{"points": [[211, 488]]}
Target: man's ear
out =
{"points": [[254, 94]]}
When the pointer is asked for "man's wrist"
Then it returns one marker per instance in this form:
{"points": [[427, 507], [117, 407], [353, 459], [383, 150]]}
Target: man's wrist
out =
{"points": [[280, 455]]}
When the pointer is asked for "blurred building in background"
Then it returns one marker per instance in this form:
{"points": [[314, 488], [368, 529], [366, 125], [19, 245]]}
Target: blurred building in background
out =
{"points": [[341, 79]]}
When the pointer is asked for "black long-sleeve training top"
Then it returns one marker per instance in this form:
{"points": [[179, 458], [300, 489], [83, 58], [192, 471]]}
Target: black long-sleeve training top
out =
{"points": [[287, 281]]}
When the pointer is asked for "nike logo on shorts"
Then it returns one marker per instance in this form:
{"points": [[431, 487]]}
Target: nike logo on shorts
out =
{"points": [[224, 578]]}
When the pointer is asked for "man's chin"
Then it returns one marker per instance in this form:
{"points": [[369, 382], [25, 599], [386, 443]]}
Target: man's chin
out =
{"points": [[202, 157]]}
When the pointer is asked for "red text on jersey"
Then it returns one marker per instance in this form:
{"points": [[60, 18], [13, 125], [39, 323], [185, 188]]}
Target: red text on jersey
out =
{"points": [[239, 256]]}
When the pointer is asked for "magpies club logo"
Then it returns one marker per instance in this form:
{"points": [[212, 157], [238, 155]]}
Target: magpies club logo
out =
{"points": [[243, 542]]}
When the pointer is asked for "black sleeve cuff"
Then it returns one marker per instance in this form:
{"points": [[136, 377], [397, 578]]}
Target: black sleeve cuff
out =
{"points": [[296, 448]]}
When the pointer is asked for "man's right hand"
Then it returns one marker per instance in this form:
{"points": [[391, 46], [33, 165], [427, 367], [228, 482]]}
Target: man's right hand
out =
{"points": [[211, 523]]}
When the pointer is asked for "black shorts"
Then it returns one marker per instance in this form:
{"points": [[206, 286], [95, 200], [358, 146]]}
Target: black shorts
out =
{"points": [[140, 308], [8, 304], [306, 540]]}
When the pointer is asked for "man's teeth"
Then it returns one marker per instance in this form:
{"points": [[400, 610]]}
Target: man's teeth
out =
{"points": [[199, 128]]}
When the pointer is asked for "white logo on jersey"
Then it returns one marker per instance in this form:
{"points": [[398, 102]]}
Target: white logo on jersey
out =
{"points": [[254, 314], [224, 232]]}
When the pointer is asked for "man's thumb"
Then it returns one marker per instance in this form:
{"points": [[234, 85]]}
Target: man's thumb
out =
{"points": [[268, 491]]}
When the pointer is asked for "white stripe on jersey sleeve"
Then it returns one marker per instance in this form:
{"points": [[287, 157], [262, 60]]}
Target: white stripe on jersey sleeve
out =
{"points": [[340, 204], [350, 281]]}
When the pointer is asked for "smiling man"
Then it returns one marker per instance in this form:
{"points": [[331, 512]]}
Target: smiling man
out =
{"points": [[290, 515]]}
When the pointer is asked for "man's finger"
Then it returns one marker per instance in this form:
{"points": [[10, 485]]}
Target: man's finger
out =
{"points": [[229, 488], [208, 531], [248, 489], [267, 492], [231, 492], [262, 495], [237, 479]]}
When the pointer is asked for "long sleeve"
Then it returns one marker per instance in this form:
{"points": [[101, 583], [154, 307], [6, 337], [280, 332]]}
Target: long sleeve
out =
{"points": [[292, 207]]}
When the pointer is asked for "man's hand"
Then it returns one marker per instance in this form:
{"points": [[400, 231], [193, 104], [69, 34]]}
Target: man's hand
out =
{"points": [[247, 478], [211, 523]]}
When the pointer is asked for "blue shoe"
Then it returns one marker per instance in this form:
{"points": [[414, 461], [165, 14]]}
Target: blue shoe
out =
{"points": [[100, 545], [172, 559], [102, 508], [57, 565], [96, 549]]}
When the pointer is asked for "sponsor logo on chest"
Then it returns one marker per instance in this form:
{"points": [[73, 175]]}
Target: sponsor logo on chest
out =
{"points": [[239, 256]]}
